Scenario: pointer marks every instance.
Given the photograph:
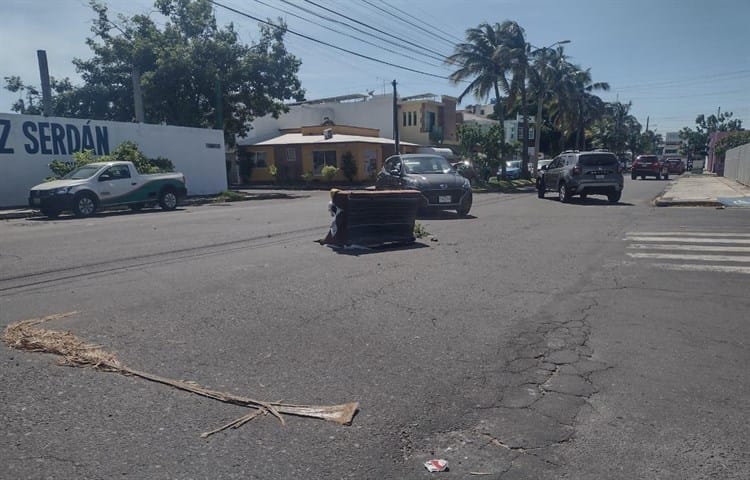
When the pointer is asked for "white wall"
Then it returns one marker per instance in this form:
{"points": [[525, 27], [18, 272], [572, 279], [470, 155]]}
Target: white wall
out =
{"points": [[737, 164], [28, 143]]}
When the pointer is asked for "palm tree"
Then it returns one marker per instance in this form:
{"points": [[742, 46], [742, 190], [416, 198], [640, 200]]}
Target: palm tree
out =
{"points": [[545, 79], [587, 106], [476, 61], [512, 56]]}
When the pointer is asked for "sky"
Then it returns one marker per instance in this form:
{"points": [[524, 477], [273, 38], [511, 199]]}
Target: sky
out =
{"points": [[673, 59]]}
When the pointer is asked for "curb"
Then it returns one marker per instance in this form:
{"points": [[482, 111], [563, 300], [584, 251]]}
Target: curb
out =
{"points": [[188, 202], [685, 203], [19, 214]]}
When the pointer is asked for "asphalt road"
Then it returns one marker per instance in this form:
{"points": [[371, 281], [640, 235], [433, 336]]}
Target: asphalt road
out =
{"points": [[532, 340]]}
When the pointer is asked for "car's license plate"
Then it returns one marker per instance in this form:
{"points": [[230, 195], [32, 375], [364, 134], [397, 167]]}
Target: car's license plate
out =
{"points": [[444, 199], [600, 177], [35, 201]]}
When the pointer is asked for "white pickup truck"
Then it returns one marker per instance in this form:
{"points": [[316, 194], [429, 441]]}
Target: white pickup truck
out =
{"points": [[105, 184]]}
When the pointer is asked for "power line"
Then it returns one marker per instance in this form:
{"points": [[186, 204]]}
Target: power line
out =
{"points": [[307, 37], [345, 34], [401, 19], [364, 32], [711, 94], [671, 83], [443, 56], [414, 18]]}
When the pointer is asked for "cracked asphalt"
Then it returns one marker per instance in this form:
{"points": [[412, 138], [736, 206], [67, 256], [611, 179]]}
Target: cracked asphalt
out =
{"points": [[521, 343]]}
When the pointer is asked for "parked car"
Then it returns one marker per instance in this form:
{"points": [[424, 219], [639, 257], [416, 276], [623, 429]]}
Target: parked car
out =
{"points": [[649, 166], [675, 165], [466, 169], [543, 163], [102, 184], [512, 170], [582, 174], [441, 186]]}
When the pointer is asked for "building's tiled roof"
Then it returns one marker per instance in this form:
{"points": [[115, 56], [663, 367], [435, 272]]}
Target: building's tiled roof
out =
{"points": [[299, 139]]}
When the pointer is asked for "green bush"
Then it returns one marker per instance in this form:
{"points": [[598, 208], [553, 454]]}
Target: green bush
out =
{"points": [[125, 152], [348, 166], [734, 139], [329, 171]]}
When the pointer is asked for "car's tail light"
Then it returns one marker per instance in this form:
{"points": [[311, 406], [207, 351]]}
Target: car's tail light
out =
{"points": [[576, 170]]}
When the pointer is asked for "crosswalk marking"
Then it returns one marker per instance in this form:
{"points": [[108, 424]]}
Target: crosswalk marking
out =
{"points": [[703, 258], [723, 252], [702, 268], [691, 234], [691, 248], [690, 240]]}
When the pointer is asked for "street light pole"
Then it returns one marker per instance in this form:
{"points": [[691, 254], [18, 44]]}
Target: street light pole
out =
{"points": [[539, 102]]}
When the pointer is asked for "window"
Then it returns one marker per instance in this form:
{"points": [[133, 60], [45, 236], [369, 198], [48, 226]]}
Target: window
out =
{"points": [[531, 133], [118, 172], [291, 155], [323, 158], [370, 162], [404, 115], [430, 124], [258, 159]]}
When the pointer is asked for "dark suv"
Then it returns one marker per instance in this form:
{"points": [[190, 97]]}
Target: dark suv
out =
{"points": [[649, 166], [582, 174], [441, 186]]}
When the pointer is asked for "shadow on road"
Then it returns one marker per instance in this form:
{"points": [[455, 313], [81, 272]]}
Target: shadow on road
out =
{"points": [[589, 201], [357, 251]]}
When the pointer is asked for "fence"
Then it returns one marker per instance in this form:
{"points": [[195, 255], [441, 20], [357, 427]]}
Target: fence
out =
{"points": [[737, 164]]}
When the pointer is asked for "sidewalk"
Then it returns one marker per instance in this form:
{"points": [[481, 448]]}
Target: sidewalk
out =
{"points": [[703, 190], [266, 194]]}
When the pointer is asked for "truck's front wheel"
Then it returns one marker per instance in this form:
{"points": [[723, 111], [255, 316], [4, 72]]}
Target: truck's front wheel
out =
{"points": [[84, 204], [168, 200]]}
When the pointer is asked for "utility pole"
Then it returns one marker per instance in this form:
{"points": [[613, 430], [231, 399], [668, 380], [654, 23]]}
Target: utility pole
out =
{"points": [[219, 125], [41, 56], [138, 95], [395, 119]]}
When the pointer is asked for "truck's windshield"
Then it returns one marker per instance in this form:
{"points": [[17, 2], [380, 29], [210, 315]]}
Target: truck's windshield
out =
{"points": [[80, 173]]}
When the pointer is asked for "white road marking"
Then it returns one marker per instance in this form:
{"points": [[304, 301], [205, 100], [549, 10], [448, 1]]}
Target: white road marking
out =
{"points": [[692, 234], [690, 240], [701, 251], [702, 268], [700, 258], [691, 248]]}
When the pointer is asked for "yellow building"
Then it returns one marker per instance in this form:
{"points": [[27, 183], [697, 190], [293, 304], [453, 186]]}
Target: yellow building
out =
{"points": [[303, 152], [428, 120]]}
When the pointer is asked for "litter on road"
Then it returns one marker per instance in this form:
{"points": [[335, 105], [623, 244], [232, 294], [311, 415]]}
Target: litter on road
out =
{"points": [[25, 335], [436, 465]]}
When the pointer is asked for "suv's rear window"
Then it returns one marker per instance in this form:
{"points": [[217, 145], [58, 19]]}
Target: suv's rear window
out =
{"points": [[597, 159]]}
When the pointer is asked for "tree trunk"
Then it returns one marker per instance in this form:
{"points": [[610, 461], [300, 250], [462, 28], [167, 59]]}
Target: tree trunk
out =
{"points": [[525, 152], [579, 130], [537, 132], [500, 114]]}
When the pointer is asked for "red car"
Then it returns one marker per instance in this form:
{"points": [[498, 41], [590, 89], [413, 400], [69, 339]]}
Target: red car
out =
{"points": [[649, 166], [675, 165]]}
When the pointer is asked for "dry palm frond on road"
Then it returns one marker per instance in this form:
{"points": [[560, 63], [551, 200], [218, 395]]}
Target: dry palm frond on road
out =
{"points": [[27, 335]]}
